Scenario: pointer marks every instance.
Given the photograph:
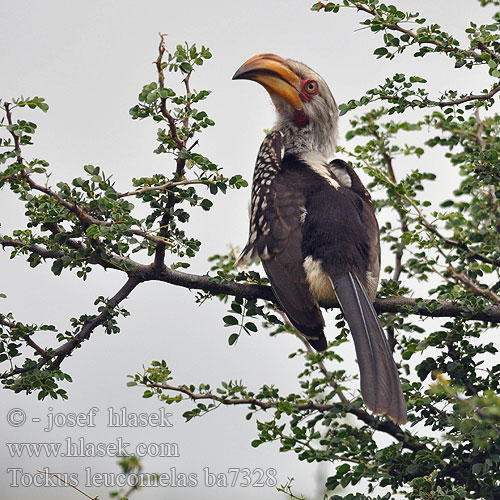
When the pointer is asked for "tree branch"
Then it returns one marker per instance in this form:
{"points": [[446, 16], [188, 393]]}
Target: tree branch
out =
{"points": [[161, 84], [56, 356], [476, 289], [83, 216], [140, 273], [180, 162], [114, 262], [60, 478], [43, 252], [386, 426], [165, 220], [468, 98], [17, 146], [263, 405], [383, 426], [398, 265], [27, 338], [443, 104], [480, 130], [164, 187], [92, 323], [458, 244], [432, 308], [414, 36], [473, 254]]}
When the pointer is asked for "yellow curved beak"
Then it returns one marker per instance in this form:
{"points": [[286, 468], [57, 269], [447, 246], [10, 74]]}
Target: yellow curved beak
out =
{"points": [[274, 74]]}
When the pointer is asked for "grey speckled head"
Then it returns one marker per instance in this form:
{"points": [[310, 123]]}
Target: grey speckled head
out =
{"points": [[319, 134]]}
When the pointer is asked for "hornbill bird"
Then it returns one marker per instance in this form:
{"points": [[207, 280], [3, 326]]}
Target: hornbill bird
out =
{"points": [[313, 226]]}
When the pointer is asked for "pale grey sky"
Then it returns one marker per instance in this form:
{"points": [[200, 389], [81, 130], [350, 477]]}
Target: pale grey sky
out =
{"points": [[90, 60]]}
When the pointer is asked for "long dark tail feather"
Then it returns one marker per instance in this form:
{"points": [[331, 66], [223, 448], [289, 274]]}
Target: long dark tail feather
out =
{"points": [[380, 385]]}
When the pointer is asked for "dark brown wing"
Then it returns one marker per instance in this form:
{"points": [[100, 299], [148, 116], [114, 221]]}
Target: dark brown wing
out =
{"points": [[283, 261], [348, 178], [341, 232], [276, 237]]}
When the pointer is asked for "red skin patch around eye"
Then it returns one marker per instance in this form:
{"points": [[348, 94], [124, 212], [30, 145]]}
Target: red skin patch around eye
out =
{"points": [[300, 118], [307, 94]]}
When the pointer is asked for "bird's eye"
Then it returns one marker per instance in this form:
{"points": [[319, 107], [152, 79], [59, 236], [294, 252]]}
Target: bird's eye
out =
{"points": [[311, 87]]}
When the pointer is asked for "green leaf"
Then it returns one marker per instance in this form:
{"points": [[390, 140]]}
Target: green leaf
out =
{"points": [[185, 67], [380, 52], [206, 204], [342, 469], [447, 203], [230, 320], [90, 169], [477, 468], [57, 267], [251, 326]]}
